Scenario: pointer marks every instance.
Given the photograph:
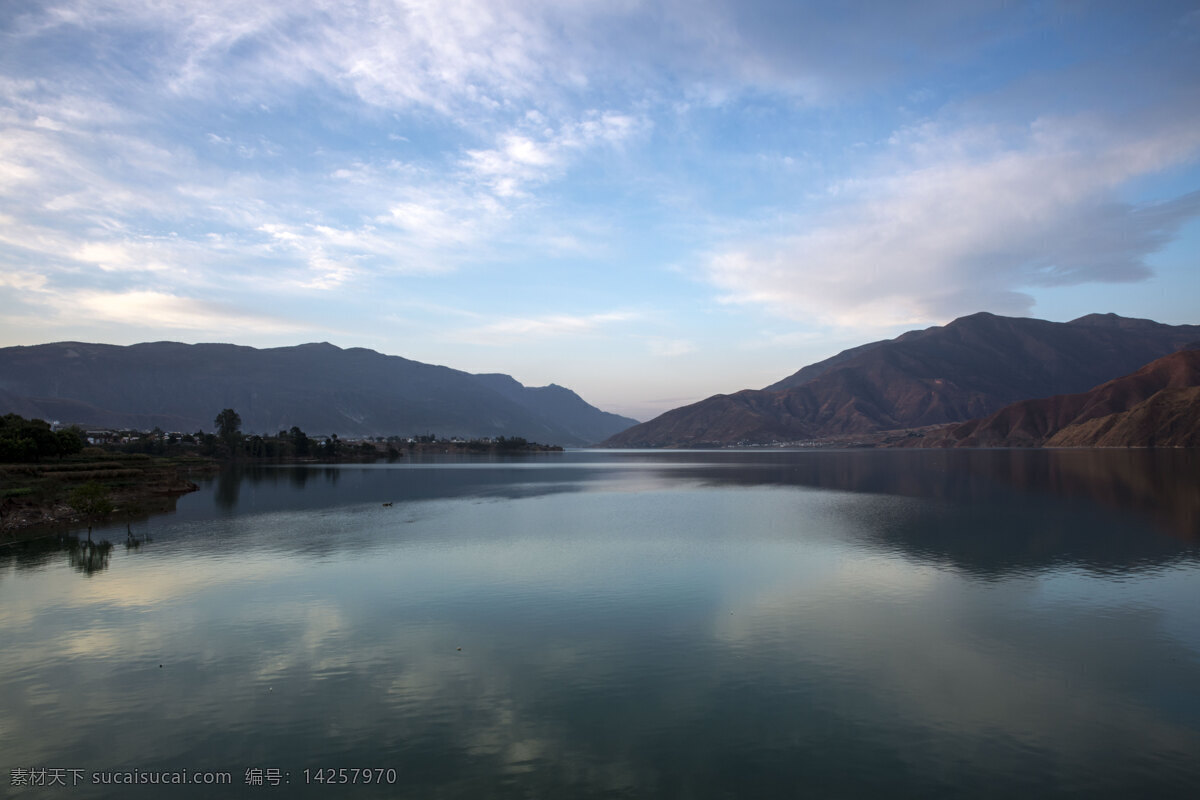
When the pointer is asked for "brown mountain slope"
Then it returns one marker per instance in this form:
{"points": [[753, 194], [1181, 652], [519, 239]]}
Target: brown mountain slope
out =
{"points": [[1152, 406], [1171, 418], [969, 368]]}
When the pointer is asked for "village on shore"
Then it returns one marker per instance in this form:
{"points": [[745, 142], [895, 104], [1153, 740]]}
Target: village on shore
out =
{"points": [[54, 477]]}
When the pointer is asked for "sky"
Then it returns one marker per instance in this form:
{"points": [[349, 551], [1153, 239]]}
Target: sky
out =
{"points": [[648, 203]]}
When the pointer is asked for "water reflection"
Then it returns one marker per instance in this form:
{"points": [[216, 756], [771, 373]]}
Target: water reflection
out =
{"points": [[84, 556], [700, 625], [1157, 483], [89, 557], [228, 488], [299, 476], [636, 653], [986, 512]]}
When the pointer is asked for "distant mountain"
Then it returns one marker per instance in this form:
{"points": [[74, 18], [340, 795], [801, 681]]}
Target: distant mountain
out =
{"points": [[1159, 405], [319, 387], [969, 368]]}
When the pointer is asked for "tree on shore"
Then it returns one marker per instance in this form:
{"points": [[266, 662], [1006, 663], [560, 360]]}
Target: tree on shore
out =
{"points": [[299, 441], [92, 501], [229, 428], [33, 439]]}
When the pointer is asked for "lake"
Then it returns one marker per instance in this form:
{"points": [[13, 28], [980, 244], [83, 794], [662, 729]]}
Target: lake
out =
{"points": [[624, 624]]}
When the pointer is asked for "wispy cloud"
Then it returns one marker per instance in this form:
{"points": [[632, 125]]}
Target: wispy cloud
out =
{"points": [[471, 58], [107, 186], [445, 55], [536, 152]]}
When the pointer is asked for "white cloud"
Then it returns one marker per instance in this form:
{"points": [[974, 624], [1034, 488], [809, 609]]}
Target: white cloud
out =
{"points": [[327, 274], [169, 312], [512, 329], [517, 161], [435, 220], [961, 221]]}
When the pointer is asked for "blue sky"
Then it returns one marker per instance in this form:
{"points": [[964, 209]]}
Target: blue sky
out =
{"points": [[647, 202]]}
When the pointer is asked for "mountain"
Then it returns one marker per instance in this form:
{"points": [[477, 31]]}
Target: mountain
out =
{"points": [[968, 368], [1158, 405], [321, 388]]}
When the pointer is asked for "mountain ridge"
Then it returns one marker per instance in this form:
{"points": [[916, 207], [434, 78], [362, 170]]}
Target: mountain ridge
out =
{"points": [[968, 368], [317, 386]]}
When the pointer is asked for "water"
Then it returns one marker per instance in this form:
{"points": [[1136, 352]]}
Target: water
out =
{"points": [[719, 624]]}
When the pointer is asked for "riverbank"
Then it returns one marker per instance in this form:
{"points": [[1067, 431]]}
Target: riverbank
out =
{"points": [[35, 498]]}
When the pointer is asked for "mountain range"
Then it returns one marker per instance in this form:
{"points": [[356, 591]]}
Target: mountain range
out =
{"points": [[321, 388], [967, 369], [981, 380]]}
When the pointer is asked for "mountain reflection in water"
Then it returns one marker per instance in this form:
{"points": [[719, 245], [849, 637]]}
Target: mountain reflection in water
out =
{"points": [[599, 624], [1011, 509]]}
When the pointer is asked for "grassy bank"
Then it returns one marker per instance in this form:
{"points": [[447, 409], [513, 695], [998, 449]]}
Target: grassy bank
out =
{"points": [[36, 499]]}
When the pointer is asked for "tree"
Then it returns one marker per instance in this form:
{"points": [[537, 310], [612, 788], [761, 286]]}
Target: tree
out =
{"points": [[28, 439], [70, 442], [92, 501], [18, 449], [229, 428], [299, 441]]}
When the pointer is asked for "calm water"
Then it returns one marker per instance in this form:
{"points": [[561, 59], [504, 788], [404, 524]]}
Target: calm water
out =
{"points": [[764, 624]]}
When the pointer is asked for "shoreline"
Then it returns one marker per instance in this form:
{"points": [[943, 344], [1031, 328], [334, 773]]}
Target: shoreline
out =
{"points": [[35, 498]]}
